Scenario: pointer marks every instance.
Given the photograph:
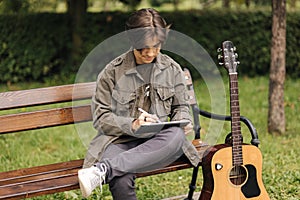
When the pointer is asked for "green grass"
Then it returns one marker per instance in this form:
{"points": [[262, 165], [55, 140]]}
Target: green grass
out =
{"points": [[281, 167]]}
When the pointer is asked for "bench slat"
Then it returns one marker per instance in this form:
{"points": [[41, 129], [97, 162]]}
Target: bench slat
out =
{"points": [[32, 178], [40, 180], [44, 118], [48, 95], [21, 173], [40, 187]]}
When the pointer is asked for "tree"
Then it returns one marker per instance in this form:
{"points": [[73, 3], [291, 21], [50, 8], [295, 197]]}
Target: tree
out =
{"points": [[76, 11], [226, 3], [247, 2], [276, 114]]}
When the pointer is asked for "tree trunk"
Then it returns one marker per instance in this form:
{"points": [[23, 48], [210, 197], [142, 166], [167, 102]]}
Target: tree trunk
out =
{"points": [[176, 3], [276, 115], [247, 2], [76, 10], [226, 3]]}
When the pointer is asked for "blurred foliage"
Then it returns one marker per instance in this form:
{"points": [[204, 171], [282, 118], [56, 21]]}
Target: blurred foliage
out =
{"points": [[157, 3], [26, 6], [131, 3], [262, 2], [14, 6], [34, 46]]}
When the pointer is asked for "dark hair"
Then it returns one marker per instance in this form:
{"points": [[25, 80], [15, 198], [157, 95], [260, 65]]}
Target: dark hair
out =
{"points": [[144, 24]]}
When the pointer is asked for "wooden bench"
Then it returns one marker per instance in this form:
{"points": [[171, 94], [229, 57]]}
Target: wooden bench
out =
{"points": [[59, 177]]}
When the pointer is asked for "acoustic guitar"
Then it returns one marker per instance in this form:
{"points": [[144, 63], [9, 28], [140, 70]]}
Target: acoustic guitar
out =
{"points": [[233, 171]]}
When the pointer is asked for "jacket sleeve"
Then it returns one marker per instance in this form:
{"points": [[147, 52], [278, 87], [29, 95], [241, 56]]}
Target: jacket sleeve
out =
{"points": [[180, 105], [104, 120]]}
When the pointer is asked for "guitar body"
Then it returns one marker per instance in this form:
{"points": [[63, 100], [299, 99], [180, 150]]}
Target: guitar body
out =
{"points": [[219, 181]]}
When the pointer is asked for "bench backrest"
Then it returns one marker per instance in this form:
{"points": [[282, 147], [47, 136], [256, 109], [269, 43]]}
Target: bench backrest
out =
{"points": [[44, 117]]}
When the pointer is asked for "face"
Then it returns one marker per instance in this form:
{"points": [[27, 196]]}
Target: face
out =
{"points": [[147, 54]]}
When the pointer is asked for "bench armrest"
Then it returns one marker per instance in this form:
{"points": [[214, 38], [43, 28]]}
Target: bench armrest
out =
{"points": [[246, 121]]}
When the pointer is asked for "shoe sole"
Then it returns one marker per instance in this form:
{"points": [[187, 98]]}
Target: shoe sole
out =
{"points": [[84, 191]]}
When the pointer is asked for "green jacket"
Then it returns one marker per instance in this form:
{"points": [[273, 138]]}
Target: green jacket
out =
{"points": [[117, 96]]}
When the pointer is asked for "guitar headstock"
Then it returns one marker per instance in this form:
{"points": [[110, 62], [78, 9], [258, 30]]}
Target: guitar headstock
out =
{"points": [[228, 57]]}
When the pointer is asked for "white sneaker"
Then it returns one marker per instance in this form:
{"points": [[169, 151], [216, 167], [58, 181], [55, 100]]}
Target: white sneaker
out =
{"points": [[90, 178]]}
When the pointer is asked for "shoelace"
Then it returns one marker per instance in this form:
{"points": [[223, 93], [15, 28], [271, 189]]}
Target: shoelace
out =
{"points": [[101, 174]]}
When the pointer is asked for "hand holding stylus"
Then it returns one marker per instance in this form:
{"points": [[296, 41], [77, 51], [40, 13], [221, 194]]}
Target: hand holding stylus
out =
{"points": [[152, 116]]}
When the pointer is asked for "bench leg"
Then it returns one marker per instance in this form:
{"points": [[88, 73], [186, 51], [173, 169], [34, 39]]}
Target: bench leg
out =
{"points": [[193, 184]]}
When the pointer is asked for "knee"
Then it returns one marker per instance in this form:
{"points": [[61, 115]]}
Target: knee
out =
{"points": [[173, 135], [177, 134]]}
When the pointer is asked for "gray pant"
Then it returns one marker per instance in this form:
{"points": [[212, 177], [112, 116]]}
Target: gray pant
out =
{"points": [[126, 159]]}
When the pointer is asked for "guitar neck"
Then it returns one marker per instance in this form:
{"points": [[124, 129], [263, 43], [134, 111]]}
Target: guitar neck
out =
{"points": [[237, 140]]}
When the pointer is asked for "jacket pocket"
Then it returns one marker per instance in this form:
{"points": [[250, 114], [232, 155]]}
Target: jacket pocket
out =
{"points": [[123, 102], [164, 100]]}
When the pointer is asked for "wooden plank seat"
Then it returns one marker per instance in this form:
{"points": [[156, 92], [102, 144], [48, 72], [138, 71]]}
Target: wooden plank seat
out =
{"points": [[59, 177]]}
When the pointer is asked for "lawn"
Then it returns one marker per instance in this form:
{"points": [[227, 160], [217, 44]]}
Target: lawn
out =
{"points": [[281, 167]]}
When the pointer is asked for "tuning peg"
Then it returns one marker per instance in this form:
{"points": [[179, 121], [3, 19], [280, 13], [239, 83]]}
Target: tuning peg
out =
{"points": [[220, 63], [219, 50], [236, 55], [220, 57], [237, 62]]}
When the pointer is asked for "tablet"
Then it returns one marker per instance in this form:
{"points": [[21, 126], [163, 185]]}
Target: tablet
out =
{"points": [[156, 127]]}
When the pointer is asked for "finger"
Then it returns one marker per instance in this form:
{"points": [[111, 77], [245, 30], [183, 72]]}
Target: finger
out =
{"points": [[142, 117], [145, 117], [155, 118], [149, 119]]}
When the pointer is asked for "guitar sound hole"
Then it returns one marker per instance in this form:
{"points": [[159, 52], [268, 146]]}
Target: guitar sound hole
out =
{"points": [[238, 175]]}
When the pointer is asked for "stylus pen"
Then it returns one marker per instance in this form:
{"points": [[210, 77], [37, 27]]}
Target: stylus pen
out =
{"points": [[140, 109]]}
